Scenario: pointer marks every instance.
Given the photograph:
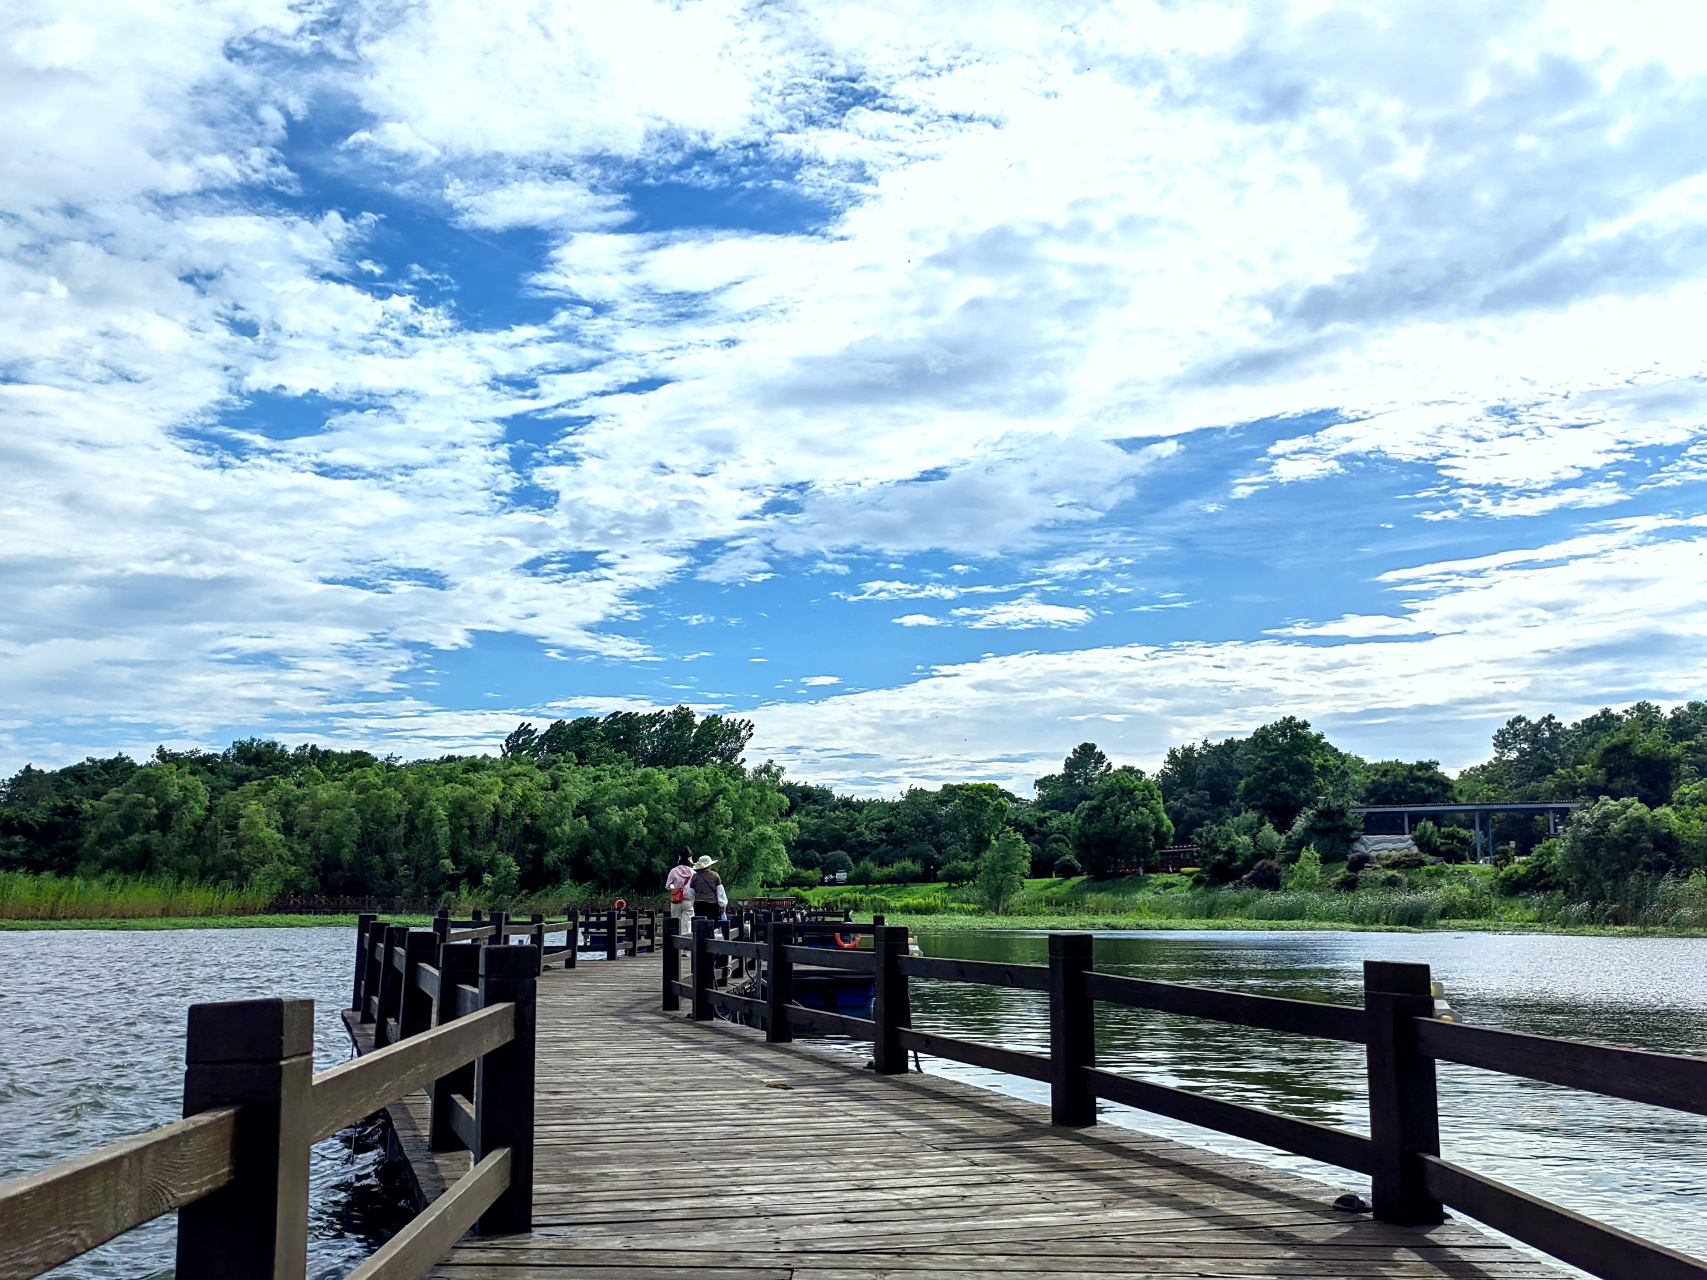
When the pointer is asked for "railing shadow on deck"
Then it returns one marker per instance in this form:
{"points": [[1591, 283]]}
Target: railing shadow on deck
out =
{"points": [[1403, 1038], [448, 1015]]}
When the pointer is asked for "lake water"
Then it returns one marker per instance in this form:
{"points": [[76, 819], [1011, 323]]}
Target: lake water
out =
{"points": [[93, 1051], [94, 1042]]}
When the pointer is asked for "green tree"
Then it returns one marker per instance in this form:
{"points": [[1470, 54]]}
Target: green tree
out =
{"points": [[1284, 770], [981, 808], [1001, 870], [1084, 767], [1124, 823], [1605, 846], [1396, 782]]}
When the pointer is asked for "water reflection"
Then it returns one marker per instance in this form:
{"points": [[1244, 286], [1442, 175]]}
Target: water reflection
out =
{"points": [[93, 1052], [1640, 1168]]}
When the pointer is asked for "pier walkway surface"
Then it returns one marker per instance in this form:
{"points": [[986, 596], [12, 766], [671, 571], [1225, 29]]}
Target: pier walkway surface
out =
{"points": [[669, 1148]]}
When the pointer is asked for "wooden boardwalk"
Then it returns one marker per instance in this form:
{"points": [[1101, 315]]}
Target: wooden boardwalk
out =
{"points": [[666, 1148]]}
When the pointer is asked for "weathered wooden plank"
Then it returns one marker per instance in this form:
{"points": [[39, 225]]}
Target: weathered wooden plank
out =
{"points": [[1596, 1248], [361, 1087], [1030, 977], [52, 1216], [1272, 1013], [413, 1251]]}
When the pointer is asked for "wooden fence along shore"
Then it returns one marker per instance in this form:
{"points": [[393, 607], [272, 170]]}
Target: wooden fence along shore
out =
{"points": [[457, 1011], [1411, 1181]]}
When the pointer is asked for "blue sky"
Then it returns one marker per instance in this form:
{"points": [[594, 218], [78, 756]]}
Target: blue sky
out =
{"points": [[938, 385]]}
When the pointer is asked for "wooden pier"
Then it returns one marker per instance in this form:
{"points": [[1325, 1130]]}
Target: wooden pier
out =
{"points": [[668, 1148]]}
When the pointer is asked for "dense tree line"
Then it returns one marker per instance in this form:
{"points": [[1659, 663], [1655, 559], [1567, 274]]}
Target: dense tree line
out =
{"points": [[346, 822], [610, 802]]}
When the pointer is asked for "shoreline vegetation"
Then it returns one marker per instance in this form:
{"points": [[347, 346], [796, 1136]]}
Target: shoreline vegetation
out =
{"points": [[1267, 830], [1464, 899]]}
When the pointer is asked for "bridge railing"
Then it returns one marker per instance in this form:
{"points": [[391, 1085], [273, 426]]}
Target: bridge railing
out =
{"points": [[236, 1167], [1410, 1180]]}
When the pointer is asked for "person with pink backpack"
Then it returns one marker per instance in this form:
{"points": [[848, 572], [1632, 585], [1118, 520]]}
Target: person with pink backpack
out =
{"points": [[676, 884]]}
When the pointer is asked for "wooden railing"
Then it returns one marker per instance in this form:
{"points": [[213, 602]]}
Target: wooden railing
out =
{"points": [[1410, 1180], [236, 1167]]}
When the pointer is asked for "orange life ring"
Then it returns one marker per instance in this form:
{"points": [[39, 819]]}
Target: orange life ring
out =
{"points": [[847, 944], [621, 904]]}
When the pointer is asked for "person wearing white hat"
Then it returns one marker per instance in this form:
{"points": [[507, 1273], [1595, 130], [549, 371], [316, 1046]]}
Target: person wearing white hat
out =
{"points": [[706, 891]]}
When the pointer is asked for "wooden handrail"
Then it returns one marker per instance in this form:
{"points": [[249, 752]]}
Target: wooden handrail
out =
{"points": [[1638, 1075], [1397, 1025], [416, 1249], [50, 1217], [1272, 1013], [363, 1085]]}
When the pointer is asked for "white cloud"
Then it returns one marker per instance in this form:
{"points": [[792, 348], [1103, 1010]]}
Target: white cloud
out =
{"points": [[1023, 613], [1564, 628], [918, 620], [821, 680], [1043, 234]]}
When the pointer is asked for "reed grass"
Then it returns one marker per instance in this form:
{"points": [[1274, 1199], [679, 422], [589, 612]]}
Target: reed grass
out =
{"points": [[48, 897]]}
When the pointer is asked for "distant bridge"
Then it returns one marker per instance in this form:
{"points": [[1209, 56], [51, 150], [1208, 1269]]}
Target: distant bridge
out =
{"points": [[1551, 808]]}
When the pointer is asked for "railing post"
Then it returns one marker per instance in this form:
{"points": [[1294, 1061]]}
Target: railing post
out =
{"points": [[503, 1087], [574, 938], [441, 928], [415, 1014], [362, 923], [539, 938], [375, 969], [780, 984], [610, 934], [498, 921], [390, 984], [258, 1054], [701, 969], [459, 964], [892, 1008], [1403, 1111], [1072, 1031], [672, 967]]}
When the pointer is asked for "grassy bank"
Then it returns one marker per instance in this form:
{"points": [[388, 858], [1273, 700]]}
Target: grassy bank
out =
{"points": [[1462, 897], [157, 923], [25, 897]]}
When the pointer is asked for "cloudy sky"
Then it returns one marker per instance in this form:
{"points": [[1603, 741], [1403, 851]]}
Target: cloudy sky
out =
{"points": [[938, 384]]}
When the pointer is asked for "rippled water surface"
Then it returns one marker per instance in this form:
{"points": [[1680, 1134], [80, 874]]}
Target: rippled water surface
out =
{"points": [[1640, 1168], [93, 1045], [92, 1051]]}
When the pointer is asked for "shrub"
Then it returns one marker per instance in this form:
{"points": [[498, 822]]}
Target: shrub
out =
{"points": [[866, 872], [837, 861], [904, 872], [1265, 875], [1001, 871], [1307, 873], [960, 871], [1067, 866]]}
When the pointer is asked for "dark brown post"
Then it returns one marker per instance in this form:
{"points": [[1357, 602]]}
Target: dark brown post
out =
{"points": [[539, 938], [610, 934], [416, 1015], [390, 984], [474, 917], [780, 984], [672, 967], [1072, 1031], [892, 1008], [498, 921], [459, 964], [503, 1087], [1403, 1114], [362, 923], [441, 927], [259, 1054], [574, 938], [701, 969], [372, 941]]}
